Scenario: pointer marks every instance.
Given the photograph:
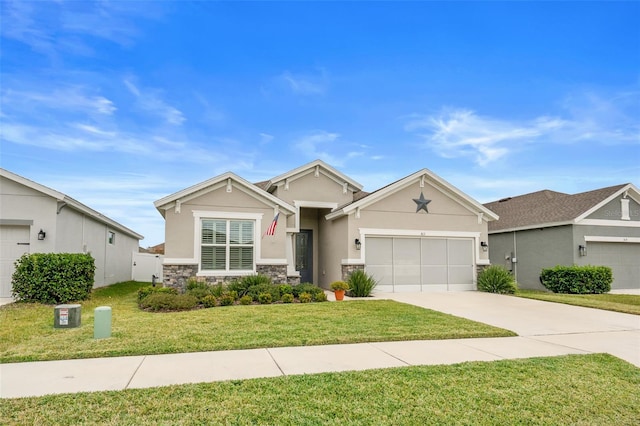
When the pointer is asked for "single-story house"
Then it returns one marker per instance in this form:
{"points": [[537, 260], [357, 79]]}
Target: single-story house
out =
{"points": [[38, 219], [547, 228], [315, 224]]}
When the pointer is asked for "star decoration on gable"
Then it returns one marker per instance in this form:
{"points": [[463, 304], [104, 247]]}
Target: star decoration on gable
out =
{"points": [[421, 203]]}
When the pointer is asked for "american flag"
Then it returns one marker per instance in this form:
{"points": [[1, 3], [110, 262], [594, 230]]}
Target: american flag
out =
{"points": [[272, 227]]}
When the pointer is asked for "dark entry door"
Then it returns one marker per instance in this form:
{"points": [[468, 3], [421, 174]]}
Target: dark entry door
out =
{"points": [[304, 255]]}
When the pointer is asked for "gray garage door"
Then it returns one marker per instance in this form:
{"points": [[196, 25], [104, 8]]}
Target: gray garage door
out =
{"points": [[403, 264], [623, 258], [14, 241]]}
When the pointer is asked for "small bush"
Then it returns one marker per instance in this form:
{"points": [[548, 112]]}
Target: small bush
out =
{"points": [[193, 283], [305, 297], [320, 297], [361, 284], [339, 285], [285, 289], [209, 301], [53, 277], [147, 291], [577, 279], [496, 279], [287, 298], [246, 300], [199, 293], [306, 288], [164, 302], [255, 291], [226, 300], [265, 298], [217, 290], [243, 285]]}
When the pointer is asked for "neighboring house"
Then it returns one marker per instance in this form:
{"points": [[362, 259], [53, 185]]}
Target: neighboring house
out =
{"points": [[416, 234], [38, 219], [548, 228]]}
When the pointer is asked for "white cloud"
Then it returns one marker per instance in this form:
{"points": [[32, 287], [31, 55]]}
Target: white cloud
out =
{"points": [[459, 132], [316, 144], [69, 98], [305, 84], [265, 138], [150, 101]]}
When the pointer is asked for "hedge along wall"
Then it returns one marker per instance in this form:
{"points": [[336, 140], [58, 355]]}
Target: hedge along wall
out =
{"points": [[577, 279], [53, 277]]}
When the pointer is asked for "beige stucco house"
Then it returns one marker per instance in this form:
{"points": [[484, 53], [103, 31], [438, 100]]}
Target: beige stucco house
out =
{"points": [[37, 219], [419, 233]]}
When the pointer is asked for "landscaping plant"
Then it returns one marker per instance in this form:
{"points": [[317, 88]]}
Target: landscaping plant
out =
{"points": [[53, 277], [361, 284], [575, 279], [496, 279]]}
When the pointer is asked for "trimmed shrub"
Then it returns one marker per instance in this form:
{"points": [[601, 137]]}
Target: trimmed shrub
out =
{"points": [[361, 284], [256, 290], [246, 300], [193, 283], [243, 285], [306, 288], [320, 297], [577, 279], [496, 279], [146, 291], [287, 298], [218, 290], [53, 277], [227, 300], [305, 297], [199, 293], [164, 302], [285, 289], [265, 298], [209, 301]]}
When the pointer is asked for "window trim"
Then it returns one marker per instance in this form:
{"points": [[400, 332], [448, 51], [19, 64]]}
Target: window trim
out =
{"points": [[111, 237], [200, 215]]}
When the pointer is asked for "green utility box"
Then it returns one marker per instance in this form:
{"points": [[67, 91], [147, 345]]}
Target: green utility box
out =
{"points": [[67, 316], [102, 322]]}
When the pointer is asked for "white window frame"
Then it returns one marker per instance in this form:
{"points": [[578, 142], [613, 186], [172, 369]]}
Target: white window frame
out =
{"points": [[199, 216]]}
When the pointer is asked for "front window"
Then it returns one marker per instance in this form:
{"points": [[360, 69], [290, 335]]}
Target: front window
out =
{"points": [[227, 245]]}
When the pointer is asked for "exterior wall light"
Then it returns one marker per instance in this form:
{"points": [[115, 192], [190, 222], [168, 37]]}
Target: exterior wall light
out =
{"points": [[582, 250], [484, 245], [41, 235], [358, 244]]}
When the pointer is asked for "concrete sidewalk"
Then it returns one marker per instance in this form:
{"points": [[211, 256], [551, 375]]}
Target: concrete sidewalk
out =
{"points": [[52, 377], [544, 328]]}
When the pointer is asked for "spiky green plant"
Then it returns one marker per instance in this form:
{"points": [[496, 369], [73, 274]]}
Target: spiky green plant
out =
{"points": [[496, 279]]}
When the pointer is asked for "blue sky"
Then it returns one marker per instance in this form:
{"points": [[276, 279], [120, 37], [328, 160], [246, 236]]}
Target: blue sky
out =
{"points": [[118, 104]]}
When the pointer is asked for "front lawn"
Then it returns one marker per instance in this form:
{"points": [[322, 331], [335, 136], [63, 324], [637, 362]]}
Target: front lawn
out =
{"points": [[577, 389], [626, 303], [27, 332]]}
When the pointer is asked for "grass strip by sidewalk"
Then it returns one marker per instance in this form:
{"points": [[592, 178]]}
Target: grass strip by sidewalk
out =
{"points": [[27, 332], [625, 303], [576, 389]]}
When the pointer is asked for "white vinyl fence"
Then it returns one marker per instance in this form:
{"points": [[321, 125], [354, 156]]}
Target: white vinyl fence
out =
{"points": [[146, 266]]}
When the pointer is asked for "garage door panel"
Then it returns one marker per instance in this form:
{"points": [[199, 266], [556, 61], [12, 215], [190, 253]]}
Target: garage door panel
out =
{"points": [[434, 275], [14, 242], [434, 251], [406, 274], [379, 251], [383, 274], [623, 258], [461, 274], [460, 252], [406, 251]]}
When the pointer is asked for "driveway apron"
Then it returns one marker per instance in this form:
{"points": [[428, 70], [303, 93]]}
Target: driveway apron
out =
{"points": [[586, 329]]}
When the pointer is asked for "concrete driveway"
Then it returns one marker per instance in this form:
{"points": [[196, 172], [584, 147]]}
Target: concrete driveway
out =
{"points": [[586, 329]]}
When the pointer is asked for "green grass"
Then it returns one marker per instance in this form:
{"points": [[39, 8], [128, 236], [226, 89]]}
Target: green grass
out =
{"points": [[626, 303], [577, 389], [27, 332]]}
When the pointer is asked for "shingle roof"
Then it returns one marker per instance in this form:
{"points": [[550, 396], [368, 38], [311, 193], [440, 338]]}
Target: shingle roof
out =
{"points": [[545, 207]]}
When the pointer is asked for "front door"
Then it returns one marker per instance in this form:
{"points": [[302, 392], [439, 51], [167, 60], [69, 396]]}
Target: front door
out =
{"points": [[304, 255]]}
